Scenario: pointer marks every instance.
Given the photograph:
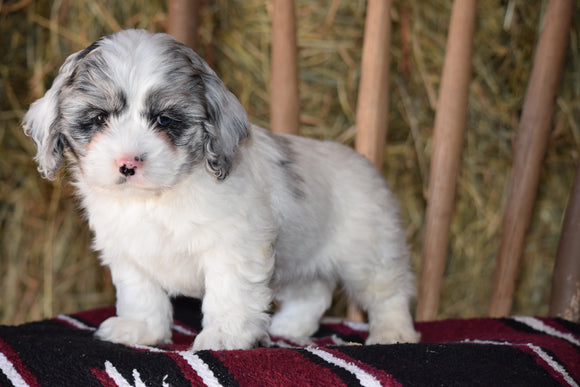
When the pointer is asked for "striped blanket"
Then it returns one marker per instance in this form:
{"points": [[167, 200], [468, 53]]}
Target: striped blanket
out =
{"points": [[524, 351]]}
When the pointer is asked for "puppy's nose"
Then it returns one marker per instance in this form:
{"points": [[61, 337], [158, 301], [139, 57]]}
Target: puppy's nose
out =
{"points": [[128, 165]]}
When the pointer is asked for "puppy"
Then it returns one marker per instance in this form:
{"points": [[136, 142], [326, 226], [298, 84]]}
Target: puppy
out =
{"points": [[185, 196]]}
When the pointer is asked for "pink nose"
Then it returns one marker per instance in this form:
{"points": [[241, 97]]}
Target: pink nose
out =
{"points": [[128, 165]]}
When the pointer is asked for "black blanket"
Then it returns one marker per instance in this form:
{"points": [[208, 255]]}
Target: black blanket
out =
{"points": [[524, 351]]}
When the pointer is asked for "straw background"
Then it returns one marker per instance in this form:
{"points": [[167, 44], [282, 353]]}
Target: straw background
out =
{"points": [[46, 264]]}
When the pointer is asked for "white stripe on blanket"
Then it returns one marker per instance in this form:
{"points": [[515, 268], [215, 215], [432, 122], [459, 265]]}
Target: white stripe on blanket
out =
{"points": [[8, 369], [541, 353], [364, 377], [201, 368], [540, 326]]}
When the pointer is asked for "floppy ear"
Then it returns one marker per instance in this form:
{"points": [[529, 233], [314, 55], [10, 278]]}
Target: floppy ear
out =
{"points": [[41, 120], [227, 126]]}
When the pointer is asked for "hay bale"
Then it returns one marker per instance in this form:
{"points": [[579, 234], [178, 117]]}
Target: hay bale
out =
{"points": [[46, 266]]}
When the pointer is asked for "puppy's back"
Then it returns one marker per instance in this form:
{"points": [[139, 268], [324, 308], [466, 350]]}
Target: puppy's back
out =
{"points": [[330, 202]]}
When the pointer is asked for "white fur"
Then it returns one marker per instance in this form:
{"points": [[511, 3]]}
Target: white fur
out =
{"points": [[293, 217]]}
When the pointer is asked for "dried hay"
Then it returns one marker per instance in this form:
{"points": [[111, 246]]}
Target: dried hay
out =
{"points": [[46, 266]]}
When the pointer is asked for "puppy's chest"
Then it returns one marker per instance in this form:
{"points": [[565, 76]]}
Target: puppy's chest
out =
{"points": [[166, 245]]}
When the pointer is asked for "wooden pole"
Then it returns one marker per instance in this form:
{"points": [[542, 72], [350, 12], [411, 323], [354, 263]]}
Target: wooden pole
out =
{"points": [[372, 111], [530, 148], [450, 121], [284, 99], [565, 297], [183, 21]]}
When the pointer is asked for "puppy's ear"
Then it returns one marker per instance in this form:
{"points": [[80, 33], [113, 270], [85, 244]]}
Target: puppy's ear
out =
{"points": [[227, 126], [41, 120]]}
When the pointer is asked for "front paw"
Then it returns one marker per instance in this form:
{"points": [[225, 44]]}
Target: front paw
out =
{"points": [[130, 331], [216, 339]]}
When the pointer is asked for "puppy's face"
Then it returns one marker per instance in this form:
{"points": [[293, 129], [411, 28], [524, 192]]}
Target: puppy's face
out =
{"points": [[136, 112]]}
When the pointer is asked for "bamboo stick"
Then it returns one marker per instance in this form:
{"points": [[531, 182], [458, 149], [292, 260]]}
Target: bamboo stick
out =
{"points": [[530, 149], [565, 297], [450, 121], [373, 96], [284, 98], [183, 21]]}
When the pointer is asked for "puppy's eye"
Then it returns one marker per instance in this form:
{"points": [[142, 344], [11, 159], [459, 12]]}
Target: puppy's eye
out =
{"points": [[163, 121], [101, 118]]}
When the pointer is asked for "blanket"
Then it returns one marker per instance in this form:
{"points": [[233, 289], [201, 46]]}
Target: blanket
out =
{"points": [[519, 351]]}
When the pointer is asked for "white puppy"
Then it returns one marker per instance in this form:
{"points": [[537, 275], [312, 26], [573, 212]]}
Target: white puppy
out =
{"points": [[186, 197]]}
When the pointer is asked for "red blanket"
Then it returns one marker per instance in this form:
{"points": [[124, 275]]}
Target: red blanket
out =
{"points": [[524, 351]]}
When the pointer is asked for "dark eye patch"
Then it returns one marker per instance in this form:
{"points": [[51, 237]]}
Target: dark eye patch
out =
{"points": [[100, 118], [90, 120], [164, 121], [171, 121], [88, 108], [177, 107], [94, 118]]}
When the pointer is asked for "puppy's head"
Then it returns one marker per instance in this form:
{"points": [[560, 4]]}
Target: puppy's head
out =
{"points": [[136, 111]]}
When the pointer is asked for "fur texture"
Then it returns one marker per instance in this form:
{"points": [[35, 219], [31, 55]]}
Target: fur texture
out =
{"points": [[186, 197]]}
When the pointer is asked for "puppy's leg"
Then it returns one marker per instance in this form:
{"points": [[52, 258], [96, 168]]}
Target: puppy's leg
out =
{"points": [[302, 306], [385, 292], [390, 322], [144, 312], [236, 299]]}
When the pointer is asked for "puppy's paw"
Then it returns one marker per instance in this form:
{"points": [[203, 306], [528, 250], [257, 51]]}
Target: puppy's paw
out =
{"points": [[130, 331], [393, 335], [216, 339], [296, 326]]}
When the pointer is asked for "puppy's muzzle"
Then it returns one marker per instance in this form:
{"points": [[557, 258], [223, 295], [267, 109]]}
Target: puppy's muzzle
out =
{"points": [[128, 166]]}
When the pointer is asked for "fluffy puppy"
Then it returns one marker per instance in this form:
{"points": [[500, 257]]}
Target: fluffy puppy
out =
{"points": [[185, 196]]}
